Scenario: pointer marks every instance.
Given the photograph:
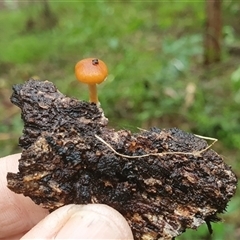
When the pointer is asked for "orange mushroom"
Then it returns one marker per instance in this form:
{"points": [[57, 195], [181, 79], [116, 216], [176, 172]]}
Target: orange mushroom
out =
{"points": [[91, 71]]}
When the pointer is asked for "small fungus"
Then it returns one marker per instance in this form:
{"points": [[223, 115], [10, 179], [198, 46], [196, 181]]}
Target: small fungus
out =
{"points": [[91, 71]]}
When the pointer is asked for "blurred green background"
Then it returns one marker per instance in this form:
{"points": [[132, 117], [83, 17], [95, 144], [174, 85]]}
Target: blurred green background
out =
{"points": [[154, 52]]}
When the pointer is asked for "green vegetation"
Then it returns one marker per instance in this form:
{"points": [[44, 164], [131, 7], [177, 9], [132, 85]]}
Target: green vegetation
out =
{"points": [[154, 53]]}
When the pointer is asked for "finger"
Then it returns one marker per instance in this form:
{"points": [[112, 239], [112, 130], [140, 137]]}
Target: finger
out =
{"points": [[18, 213], [93, 221]]}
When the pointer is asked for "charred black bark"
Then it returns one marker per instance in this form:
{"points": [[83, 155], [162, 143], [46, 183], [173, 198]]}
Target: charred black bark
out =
{"points": [[162, 181]]}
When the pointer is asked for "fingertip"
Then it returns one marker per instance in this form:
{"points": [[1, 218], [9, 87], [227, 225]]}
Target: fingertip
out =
{"points": [[96, 221], [92, 221], [17, 213]]}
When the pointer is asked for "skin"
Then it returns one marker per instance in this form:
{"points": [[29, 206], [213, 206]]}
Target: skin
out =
{"points": [[21, 218]]}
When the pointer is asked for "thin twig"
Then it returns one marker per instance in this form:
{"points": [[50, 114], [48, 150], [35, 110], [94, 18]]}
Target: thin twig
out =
{"points": [[207, 138], [196, 153]]}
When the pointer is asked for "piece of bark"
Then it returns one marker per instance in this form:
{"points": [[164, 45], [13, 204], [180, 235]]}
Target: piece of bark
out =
{"points": [[162, 181]]}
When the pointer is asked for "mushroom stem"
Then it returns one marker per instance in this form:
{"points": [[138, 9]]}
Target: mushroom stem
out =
{"points": [[93, 96]]}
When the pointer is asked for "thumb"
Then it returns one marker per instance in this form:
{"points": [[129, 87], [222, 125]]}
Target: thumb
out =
{"points": [[93, 221]]}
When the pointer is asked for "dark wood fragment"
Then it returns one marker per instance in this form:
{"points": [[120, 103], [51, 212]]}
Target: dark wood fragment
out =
{"points": [[162, 181]]}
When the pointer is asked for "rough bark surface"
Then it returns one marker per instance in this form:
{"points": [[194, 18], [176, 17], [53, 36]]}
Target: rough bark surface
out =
{"points": [[162, 181]]}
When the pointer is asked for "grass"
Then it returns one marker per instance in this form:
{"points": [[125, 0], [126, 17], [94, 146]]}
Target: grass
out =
{"points": [[156, 78]]}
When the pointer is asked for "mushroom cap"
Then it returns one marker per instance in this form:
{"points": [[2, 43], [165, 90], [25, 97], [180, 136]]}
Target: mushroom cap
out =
{"points": [[91, 71]]}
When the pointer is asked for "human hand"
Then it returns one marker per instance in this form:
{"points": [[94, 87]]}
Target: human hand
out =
{"points": [[21, 218]]}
